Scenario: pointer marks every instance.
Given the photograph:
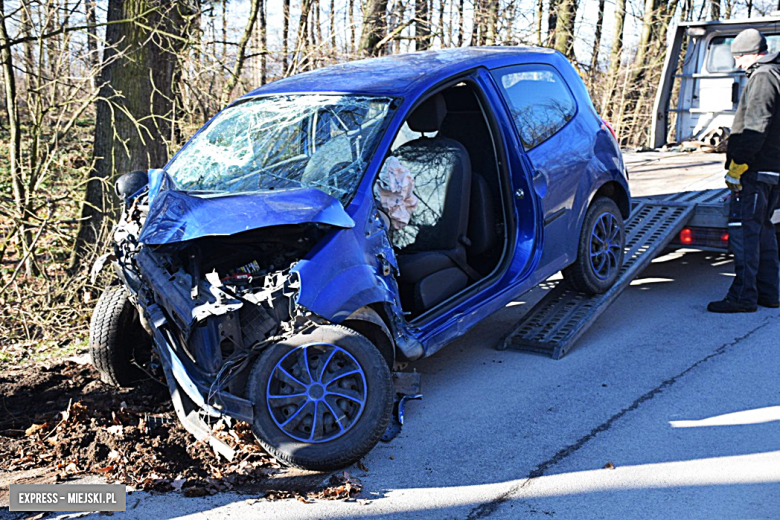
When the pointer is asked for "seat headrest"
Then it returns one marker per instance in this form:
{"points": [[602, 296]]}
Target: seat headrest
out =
{"points": [[428, 116]]}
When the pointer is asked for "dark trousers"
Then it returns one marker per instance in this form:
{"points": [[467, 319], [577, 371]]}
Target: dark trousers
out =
{"points": [[753, 241]]}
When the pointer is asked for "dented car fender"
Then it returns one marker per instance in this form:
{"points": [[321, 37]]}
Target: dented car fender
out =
{"points": [[349, 269]]}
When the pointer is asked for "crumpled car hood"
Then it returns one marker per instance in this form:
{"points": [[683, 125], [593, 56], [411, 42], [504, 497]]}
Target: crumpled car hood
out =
{"points": [[176, 216]]}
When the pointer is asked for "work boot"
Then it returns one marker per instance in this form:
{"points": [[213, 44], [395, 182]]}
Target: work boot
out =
{"points": [[772, 304], [729, 307]]}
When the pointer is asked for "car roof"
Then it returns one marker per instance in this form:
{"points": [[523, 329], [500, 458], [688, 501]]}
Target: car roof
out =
{"points": [[402, 74]]}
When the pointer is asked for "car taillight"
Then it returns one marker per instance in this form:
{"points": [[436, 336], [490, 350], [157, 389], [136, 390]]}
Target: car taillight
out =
{"points": [[609, 127]]}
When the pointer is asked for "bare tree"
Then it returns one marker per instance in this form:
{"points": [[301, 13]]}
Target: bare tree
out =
{"points": [[564, 27], [539, 15], [285, 35], [422, 28], [594, 57], [491, 22], [552, 20], [134, 110], [15, 141], [714, 9], [461, 28], [615, 53], [300, 58], [374, 27]]}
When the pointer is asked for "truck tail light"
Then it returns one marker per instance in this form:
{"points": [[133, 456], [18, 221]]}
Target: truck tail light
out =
{"points": [[686, 236], [702, 237]]}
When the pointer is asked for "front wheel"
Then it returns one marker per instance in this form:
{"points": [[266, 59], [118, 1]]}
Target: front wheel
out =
{"points": [[600, 249], [322, 399], [118, 344]]}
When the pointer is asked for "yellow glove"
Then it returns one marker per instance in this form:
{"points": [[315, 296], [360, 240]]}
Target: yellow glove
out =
{"points": [[734, 174]]}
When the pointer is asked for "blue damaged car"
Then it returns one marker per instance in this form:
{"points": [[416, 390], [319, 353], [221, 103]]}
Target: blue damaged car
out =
{"points": [[326, 228]]}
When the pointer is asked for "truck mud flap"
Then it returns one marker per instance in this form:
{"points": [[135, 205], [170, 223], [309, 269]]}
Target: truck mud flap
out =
{"points": [[553, 326]]}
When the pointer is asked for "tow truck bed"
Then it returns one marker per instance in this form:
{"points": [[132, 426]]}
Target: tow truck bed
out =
{"points": [[672, 192]]}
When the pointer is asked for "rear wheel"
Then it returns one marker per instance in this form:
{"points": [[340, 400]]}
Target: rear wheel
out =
{"points": [[600, 249], [322, 399], [117, 342]]}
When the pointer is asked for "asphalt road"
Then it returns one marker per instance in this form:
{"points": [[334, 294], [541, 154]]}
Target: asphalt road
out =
{"points": [[684, 404]]}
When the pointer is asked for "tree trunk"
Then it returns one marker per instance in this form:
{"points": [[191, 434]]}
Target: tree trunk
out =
{"points": [[373, 27], [539, 15], [477, 31], [319, 27], [285, 35], [400, 12], [615, 53], [133, 113], [422, 29], [491, 22], [552, 20], [645, 40], [263, 43], [299, 58], [461, 28], [594, 57], [440, 29], [224, 29], [564, 27], [714, 9], [92, 58], [333, 28], [351, 7], [15, 143], [235, 74]]}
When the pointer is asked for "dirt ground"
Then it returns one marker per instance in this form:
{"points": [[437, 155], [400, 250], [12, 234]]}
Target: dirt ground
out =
{"points": [[59, 422]]}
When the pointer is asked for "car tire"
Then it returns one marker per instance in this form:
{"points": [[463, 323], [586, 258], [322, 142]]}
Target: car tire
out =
{"points": [[280, 423], [600, 249], [118, 344]]}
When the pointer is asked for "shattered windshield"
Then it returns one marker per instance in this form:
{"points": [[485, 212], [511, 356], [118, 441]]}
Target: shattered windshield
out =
{"points": [[282, 142]]}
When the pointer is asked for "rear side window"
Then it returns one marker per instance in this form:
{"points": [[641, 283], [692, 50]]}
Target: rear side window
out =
{"points": [[539, 99], [719, 58]]}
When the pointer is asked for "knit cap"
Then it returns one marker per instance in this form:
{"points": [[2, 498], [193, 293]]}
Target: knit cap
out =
{"points": [[749, 41]]}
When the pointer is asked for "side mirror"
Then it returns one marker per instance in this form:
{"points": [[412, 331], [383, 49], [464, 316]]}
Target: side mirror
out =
{"points": [[129, 183]]}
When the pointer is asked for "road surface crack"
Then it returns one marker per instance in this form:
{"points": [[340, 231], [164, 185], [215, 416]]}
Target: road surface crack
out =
{"points": [[488, 508]]}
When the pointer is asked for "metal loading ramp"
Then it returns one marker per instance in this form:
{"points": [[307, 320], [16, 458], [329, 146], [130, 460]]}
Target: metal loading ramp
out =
{"points": [[555, 323]]}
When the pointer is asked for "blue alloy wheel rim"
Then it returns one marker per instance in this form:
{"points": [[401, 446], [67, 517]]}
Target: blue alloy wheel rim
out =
{"points": [[605, 244], [316, 392]]}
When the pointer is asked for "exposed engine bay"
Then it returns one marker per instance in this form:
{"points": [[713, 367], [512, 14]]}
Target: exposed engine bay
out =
{"points": [[226, 296]]}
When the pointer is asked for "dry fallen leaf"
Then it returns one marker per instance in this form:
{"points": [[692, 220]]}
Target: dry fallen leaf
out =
{"points": [[35, 428], [609, 465], [117, 430], [361, 466]]}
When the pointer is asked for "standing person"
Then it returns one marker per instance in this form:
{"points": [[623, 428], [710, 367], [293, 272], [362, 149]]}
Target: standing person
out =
{"points": [[753, 162]]}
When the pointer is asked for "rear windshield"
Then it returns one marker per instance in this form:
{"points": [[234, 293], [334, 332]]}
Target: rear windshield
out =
{"points": [[719, 58]]}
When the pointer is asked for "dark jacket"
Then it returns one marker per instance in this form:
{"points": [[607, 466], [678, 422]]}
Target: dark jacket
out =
{"points": [[755, 134]]}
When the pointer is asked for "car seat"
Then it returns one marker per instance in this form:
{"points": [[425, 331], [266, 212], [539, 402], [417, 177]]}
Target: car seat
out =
{"points": [[432, 261]]}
